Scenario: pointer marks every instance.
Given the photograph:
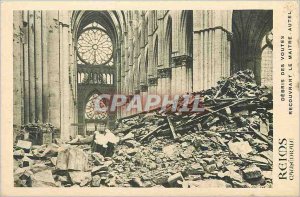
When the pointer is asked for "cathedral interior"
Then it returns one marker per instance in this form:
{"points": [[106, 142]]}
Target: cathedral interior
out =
{"points": [[64, 59]]}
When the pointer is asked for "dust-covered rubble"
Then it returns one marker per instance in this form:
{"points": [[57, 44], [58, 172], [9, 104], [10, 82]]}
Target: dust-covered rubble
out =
{"points": [[229, 144]]}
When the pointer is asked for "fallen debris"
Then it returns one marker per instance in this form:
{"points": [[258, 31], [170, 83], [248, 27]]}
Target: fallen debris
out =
{"points": [[228, 144], [252, 172], [175, 179], [72, 158], [43, 179], [240, 148], [25, 145]]}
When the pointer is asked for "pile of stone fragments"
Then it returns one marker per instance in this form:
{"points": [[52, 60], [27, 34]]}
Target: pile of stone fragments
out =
{"points": [[227, 145]]}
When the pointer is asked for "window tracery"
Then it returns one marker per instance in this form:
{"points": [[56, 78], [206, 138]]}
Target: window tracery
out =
{"points": [[94, 46]]}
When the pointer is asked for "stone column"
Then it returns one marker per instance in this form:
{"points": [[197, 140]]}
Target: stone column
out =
{"points": [[181, 59], [38, 65], [45, 93], [161, 84], [142, 53], [126, 67], [32, 73], [143, 72], [65, 88], [175, 31], [164, 76], [136, 72], [121, 68], [25, 32], [152, 85], [180, 74], [53, 67], [17, 69], [212, 30], [131, 57], [152, 80]]}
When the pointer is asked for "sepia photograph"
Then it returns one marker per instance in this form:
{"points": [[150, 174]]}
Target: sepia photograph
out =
{"points": [[143, 98]]}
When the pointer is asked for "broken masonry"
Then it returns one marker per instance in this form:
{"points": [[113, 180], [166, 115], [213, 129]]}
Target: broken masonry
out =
{"points": [[229, 144]]}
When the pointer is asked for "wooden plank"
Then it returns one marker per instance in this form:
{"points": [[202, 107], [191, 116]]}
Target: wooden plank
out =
{"points": [[172, 128], [261, 136], [196, 120], [152, 132]]}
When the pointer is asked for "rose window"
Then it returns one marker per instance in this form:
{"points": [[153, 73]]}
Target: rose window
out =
{"points": [[94, 46]]}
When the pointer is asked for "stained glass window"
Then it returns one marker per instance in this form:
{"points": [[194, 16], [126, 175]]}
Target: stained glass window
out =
{"points": [[94, 46], [90, 109]]}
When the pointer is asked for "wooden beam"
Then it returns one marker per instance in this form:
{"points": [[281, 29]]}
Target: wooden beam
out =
{"points": [[172, 128]]}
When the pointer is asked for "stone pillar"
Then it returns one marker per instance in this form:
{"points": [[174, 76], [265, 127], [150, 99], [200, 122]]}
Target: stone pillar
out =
{"points": [[143, 72], [131, 57], [65, 88], [164, 77], [161, 41], [126, 62], [175, 31], [150, 48], [211, 47], [152, 85], [45, 93], [142, 53], [43, 55], [180, 74], [136, 65], [121, 68], [17, 69], [53, 67], [38, 65], [25, 32], [161, 84], [73, 76], [32, 73]]}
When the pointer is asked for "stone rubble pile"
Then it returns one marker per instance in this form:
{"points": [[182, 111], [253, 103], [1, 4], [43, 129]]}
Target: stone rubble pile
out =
{"points": [[227, 145]]}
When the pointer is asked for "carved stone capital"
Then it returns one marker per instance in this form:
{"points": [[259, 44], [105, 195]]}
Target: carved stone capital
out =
{"points": [[137, 91], [144, 88], [164, 73], [152, 81], [182, 60]]}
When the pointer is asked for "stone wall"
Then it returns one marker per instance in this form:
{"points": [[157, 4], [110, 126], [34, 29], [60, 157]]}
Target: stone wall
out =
{"points": [[44, 71]]}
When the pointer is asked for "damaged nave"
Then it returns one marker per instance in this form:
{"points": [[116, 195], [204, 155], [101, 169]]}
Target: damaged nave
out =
{"points": [[227, 145]]}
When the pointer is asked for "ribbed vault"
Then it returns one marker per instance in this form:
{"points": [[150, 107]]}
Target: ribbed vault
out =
{"points": [[249, 28]]}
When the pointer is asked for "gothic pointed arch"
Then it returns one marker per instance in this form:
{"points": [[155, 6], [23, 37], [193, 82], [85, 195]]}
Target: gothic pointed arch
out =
{"points": [[186, 32], [97, 36], [155, 54], [249, 28], [168, 41]]}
